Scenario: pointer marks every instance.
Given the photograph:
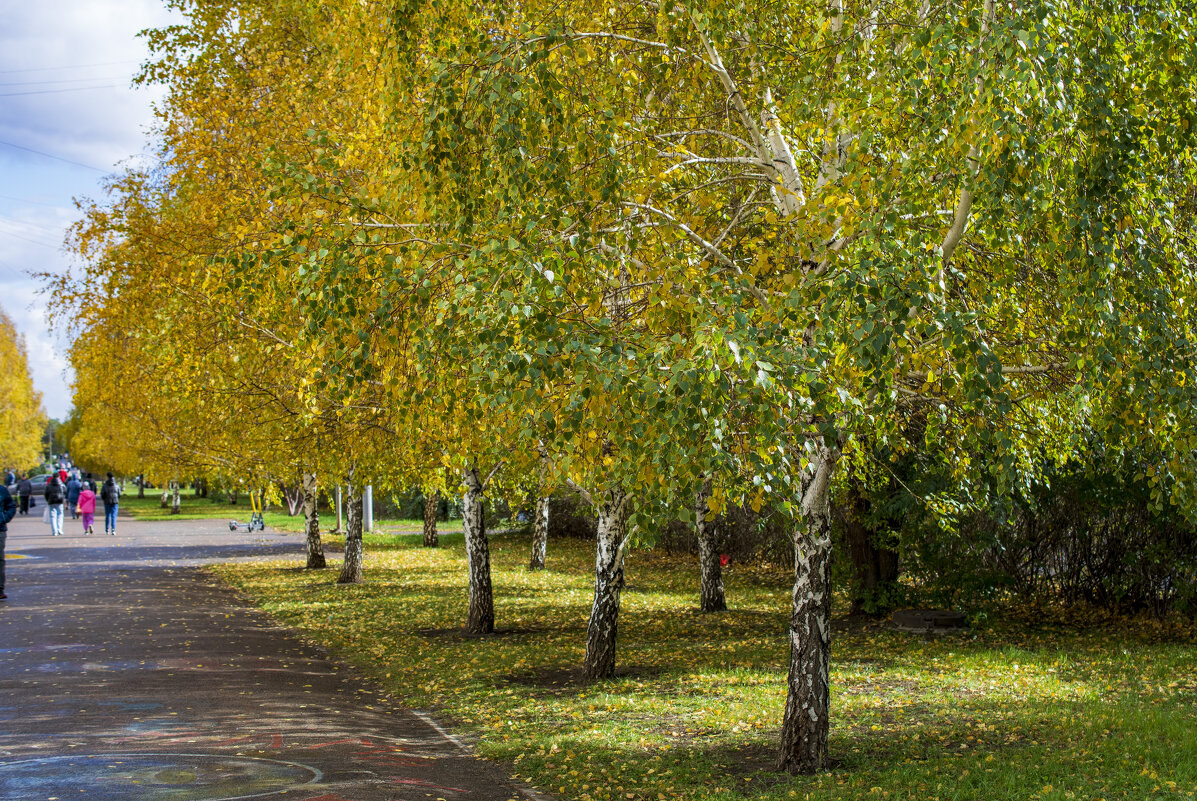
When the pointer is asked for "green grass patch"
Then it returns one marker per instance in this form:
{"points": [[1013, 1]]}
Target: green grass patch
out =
{"points": [[192, 507], [1030, 707]]}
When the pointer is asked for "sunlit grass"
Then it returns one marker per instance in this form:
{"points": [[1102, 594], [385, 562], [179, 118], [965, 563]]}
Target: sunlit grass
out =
{"points": [[217, 507], [1097, 709]]}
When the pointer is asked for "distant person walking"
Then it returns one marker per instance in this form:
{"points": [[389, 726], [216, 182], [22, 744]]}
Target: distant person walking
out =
{"points": [[24, 490], [73, 487], [87, 507], [55, 494], [110, 494], [8, 508]]}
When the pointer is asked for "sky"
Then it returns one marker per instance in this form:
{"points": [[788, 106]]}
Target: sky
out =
{"points": [[69, 116]]}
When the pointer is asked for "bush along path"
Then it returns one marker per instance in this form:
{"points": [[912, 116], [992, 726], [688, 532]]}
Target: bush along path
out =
{"points": [[130, 675]]}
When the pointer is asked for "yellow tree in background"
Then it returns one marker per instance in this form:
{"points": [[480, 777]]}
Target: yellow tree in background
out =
{"points": [[21, 417]]}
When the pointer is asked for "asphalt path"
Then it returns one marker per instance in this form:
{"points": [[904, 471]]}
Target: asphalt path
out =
{"points": [[127, 674]]}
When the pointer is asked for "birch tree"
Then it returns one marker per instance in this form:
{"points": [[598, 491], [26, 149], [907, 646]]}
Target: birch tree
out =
{"points": [[804, 218]]}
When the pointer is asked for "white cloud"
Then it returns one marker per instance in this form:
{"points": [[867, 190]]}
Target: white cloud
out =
{"points": [[66, 69]]}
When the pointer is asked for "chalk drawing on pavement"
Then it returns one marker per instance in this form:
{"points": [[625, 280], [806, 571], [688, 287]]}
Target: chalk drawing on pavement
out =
{"points": [[151, 777]]}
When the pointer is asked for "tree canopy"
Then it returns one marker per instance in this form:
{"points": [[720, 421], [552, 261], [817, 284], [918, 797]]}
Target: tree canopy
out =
{"points": [[644, 247]]}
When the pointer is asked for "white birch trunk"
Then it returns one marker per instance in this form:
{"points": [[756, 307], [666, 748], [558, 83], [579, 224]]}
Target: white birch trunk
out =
{"points": [[311, 523], [711, 597], [481, 617], [540, 534], [351, 570], [808, 700], [608, 584], [176, 502]]}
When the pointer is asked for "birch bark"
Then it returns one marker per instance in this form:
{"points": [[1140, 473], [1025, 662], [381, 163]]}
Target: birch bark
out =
{"points": [[608, 584], [711, 596], [351, 570], [808, 700], [311, 524], [540, 534], [481, 617]]}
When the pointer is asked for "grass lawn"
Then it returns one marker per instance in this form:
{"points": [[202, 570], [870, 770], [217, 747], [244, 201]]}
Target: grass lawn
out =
{"points": [[1047, 709], [217, 507]]}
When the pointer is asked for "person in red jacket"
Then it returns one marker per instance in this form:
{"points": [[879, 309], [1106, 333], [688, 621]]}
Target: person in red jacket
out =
{"points": [[87, 507]]}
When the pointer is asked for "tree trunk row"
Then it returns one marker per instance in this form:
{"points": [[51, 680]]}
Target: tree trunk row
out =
{"points": [[806, 719]]}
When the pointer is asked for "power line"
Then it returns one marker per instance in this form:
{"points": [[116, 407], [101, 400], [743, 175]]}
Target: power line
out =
{"points": [[30, 201], [71, 67], [15, 84], [50, 156], [60, 91], [24, 231], [27, 239], [23, 224]]}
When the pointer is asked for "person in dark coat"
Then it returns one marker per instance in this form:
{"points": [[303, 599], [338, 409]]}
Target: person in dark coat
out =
{"points": [[24, 490], [55, 497], [110, 494], [8, 508]]}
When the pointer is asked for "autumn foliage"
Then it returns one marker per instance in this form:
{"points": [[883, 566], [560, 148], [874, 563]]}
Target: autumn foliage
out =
{"points": [[642, 250], [22, 420]]}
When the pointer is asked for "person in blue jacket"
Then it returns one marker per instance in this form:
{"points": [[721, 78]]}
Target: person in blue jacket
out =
{"points": [[73, 488]]}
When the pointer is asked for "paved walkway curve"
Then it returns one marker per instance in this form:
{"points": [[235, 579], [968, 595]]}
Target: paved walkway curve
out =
{"points": [[128, 675]]}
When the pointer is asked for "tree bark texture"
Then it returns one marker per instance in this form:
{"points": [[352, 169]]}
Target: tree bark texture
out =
{"points": [[481, 618], [711, 597], [176, 503], [141, 486], [432, 502], [164, 501], [540, 534], [808, 700], [351, 570], [601, 632], [294, 498], [874, 566], [311, 524]]}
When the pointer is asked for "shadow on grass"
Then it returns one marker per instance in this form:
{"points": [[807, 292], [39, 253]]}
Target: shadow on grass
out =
{"points": [[563, 680], [500, 632]]}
